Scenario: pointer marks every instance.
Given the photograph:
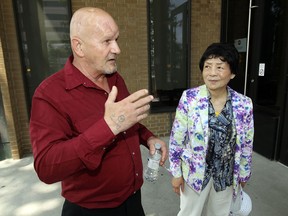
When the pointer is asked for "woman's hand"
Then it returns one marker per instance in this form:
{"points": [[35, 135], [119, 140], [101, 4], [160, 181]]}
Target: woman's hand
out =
{"points": [[177, 184], [243, 184]]}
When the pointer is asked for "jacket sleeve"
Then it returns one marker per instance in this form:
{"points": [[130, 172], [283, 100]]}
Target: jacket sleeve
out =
{"points": [[178, 136], [247, 144]]}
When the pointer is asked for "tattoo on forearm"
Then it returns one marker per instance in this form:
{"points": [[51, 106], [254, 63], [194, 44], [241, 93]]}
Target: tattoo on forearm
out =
{"points": [[117, 120]]}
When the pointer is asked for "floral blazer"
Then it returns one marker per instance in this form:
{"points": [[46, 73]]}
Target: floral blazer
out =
{"points": [[189, 137]]}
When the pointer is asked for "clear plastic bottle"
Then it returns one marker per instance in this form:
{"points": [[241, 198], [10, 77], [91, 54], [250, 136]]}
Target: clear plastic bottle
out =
{"points": [[151, 172]]}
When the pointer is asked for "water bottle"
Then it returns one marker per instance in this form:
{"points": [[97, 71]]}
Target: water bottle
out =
{"points": [[151, 173]]}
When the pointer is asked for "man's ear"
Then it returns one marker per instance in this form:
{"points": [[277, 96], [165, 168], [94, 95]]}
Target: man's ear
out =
{"points": [[76, 44], [232, 76]]}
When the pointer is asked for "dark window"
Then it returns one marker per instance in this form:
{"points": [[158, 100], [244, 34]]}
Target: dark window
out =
{"points": [[169, 52], [43, 32]]}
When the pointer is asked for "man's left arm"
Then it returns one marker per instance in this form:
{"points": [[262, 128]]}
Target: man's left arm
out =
{"points": [[148, 139]]}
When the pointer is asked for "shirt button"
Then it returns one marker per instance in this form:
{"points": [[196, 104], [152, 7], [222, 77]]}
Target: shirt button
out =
{"points": [[124, 132], [133, 153], [137, 174]]}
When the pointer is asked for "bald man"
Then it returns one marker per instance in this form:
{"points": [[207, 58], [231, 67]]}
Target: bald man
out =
{"points": [[85, 128]]}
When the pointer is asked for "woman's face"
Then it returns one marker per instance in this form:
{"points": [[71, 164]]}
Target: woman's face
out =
{"points": [[216, 74]]}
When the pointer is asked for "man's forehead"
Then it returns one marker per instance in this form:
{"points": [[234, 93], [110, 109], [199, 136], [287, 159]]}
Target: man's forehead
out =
{"points": [[107, 27]]}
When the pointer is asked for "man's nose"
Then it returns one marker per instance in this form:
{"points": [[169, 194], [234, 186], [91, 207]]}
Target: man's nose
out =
{"points": [[115, 48]]}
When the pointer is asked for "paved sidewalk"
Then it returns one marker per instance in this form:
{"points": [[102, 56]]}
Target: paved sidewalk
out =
{"points": [[23, 194]]}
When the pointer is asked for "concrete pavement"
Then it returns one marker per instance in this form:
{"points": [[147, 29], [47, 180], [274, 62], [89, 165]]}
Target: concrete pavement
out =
{"points": [[22, 194]]}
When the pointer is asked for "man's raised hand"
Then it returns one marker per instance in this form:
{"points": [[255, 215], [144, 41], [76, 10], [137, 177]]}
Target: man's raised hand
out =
{"points": [[122, 115]]}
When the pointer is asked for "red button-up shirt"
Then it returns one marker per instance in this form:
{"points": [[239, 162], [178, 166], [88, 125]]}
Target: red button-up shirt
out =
{"points": [[73, 144]]}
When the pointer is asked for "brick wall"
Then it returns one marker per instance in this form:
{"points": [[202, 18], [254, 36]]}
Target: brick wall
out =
{"points": [[205, 29], [131, 17]]}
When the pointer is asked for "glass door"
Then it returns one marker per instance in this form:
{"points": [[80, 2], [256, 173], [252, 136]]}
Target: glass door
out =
{"points": [[43, 30], [256, 29], [234, 29]]}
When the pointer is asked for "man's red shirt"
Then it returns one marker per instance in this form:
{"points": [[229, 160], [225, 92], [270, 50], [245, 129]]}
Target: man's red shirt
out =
{"points": [[73, 144]]}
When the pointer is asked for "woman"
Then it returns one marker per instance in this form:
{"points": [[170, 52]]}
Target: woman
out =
{"points": [[210, 147]]}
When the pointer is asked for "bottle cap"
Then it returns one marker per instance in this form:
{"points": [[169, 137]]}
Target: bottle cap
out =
{"points": [[158, 146]]}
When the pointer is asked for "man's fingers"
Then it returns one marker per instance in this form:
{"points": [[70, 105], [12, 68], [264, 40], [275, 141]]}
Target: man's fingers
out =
{"points": [[138, 95], [143, 104], [143, 109], [142, 112], [142, 116], [140, 101]]}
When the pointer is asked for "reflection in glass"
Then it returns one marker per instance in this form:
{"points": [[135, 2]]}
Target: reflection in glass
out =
{"points": [[168, 51], [5, 151], [43, 29]]}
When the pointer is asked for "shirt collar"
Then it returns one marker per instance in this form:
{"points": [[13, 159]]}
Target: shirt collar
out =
{"points": [[74, 77]]}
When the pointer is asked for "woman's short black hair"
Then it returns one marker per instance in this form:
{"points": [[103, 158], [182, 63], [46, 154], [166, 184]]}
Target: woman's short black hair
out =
{"points": [[227, 53]]}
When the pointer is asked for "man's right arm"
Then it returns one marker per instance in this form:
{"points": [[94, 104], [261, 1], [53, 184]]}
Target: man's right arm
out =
{"points": [[60, 152]]}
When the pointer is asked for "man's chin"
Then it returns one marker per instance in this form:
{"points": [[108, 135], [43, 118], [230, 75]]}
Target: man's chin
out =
{"points": [[110, 72], [110, 68]]}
